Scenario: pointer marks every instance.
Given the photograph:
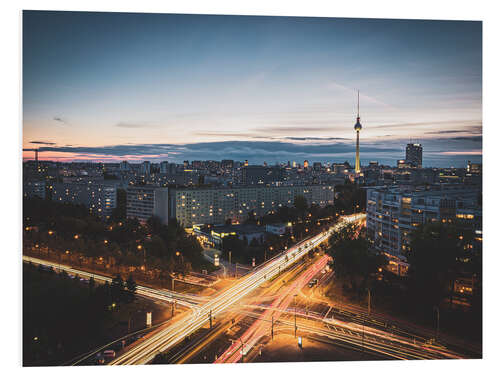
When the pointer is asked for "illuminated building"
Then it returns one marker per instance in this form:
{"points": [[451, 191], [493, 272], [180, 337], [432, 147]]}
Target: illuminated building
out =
{"points": [[214, 235], [99, 197], [164, 167], [34, 189], [146, 168], [125, 166], [402, 164], [414, 155], [144, 202], [393, 213], [227, 164], [191, 206], [261, 175], [474, 168]]}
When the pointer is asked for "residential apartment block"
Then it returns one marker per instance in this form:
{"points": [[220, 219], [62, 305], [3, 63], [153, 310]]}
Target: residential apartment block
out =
{"points": [[146, 201], [198, 206], [99, 198], [215, 205], [393, 213]]}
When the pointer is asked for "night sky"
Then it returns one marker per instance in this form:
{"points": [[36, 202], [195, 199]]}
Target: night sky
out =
{"points": [[114, 86]]}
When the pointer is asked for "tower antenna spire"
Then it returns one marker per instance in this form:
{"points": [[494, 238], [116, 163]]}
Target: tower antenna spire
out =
{"points": [[358, 103]]}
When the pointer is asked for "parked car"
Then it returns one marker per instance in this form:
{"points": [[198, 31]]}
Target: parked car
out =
{"points": [[109, 354]]}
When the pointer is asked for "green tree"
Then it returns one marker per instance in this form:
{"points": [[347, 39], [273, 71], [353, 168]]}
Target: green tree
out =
{"points": [[354, 262], [436, 257], [117, 288], [300, 203], [120, 212], [131, 286]]}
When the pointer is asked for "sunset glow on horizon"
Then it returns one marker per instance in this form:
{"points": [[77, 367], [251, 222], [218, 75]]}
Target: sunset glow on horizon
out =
{"points": [[114, 86]]}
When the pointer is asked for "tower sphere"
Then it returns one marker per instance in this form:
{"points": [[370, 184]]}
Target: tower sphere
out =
{"points": [[358, 126]]}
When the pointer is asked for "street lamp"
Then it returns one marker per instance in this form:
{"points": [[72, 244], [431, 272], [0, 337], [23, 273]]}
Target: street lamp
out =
{"points": [[369, 301], [139, 247], [436, 308], [295, 314], [242, 350]]}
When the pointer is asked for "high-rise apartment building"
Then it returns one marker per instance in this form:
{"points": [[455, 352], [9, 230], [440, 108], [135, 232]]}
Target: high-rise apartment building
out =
{"points": [[99, 197], [146, 201], [414, 155], [215, 205], [146, 168], [393, 213], [164, 167]]}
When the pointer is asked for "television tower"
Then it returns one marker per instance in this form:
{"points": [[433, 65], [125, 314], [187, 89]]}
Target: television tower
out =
{"points": [[357, 128]]}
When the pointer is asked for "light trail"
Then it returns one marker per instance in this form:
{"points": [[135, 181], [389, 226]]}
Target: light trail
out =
{"points": [[253, 334], [172, 335], [384, 346], [187, 300]]}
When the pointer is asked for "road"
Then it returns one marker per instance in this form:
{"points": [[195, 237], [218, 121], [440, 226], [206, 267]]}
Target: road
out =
{"points": [[252, 336], [170, 336], [184, 299]]}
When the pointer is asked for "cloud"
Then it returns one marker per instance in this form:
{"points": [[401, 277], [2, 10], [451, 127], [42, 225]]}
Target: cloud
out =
{"points": [[316, 138], [362, 96], [230, 134], [435, 123], [446, 132], [437, 151], [133, 125], [475, 138], [294, 129], [239, 150], [473, 130], [470, 152], [42, 143], [60, 120]]}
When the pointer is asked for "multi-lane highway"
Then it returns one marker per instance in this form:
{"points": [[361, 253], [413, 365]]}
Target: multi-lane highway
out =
{"points": [[170, 336], [188, 300], [262, 326]]}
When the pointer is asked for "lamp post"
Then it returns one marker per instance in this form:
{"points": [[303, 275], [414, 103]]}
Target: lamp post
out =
{"points": [[369, 301], [272, 327], [242, 350], [436, 308], [139, 247], [295, 314]]}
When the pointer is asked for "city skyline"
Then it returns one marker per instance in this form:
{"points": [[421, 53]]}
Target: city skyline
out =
{"points": [[115, 86]]}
